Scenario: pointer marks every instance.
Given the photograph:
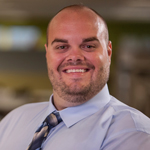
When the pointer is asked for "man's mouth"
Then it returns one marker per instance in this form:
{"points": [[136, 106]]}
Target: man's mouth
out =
{"points": [[76, 67], [76, 70]]}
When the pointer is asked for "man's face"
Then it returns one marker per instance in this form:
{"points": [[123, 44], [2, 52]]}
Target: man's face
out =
{"points": [[78, 56]]}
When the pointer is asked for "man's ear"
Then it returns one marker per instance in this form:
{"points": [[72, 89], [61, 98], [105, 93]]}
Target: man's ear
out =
{"points": [[109, 50], [46, 48]]}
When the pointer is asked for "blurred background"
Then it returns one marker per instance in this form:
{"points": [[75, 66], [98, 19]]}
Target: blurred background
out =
{"points": [[23, 71]]}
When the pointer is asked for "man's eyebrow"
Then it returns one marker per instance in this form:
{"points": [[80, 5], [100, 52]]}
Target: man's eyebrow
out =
{"points": [[59, 40], [90, 39]]}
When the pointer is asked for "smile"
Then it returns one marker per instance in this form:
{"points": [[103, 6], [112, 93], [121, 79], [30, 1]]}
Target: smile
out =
{"points": [[76, 70]]}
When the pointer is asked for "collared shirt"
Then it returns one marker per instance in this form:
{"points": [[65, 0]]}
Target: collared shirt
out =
{"points": [[102, 123]]}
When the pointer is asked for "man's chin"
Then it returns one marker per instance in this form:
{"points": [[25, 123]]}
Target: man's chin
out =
{"points": [[77, 90]]}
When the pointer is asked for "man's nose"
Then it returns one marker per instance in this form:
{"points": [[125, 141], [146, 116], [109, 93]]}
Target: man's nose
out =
{"points": [[75, 55]]}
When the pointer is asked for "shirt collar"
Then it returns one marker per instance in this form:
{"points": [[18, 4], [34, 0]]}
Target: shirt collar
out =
{"points": [[72, 115]]}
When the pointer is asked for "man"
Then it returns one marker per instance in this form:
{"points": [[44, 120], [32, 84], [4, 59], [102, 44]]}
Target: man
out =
{"points": [[78, 55]]}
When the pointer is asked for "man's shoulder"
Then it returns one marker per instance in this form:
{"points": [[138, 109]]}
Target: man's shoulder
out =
{"points": [[126, 126], [129, 118], [31, 107], [25, 111]]}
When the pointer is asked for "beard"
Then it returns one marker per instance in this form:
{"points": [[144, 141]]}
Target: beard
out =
{"points": [[77, 93]]}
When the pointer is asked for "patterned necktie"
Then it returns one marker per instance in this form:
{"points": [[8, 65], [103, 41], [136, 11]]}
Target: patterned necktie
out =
{"points": [[40, 135]]}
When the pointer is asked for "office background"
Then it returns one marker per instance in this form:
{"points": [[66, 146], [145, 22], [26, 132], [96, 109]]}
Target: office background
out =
{"points": [[23, 72]]}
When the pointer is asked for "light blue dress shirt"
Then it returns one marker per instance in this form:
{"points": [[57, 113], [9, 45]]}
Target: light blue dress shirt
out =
{"points": [[102, 123]]}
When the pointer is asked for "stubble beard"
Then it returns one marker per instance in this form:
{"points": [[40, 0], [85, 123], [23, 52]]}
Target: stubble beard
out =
{"points": [[76, 94]]}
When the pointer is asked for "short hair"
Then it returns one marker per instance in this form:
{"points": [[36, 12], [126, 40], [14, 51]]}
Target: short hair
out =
{"points": [[80, 6]]}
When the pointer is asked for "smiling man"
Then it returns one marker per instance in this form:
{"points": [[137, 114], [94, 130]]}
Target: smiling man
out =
{"points": [[78, 56], [81, 114]]}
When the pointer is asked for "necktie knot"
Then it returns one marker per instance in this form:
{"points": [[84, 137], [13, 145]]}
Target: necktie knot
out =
{"points": [[53, 119]]}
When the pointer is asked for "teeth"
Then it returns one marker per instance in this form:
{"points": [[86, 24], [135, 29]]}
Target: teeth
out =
{"points": [[75, 70]]}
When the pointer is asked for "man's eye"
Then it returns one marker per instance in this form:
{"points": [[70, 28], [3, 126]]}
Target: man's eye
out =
{"points": [[90, 46], [62, 47]]}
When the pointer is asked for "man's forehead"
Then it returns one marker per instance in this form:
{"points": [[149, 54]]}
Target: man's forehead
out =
{"points": [[76, 20], [74, 14]]}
